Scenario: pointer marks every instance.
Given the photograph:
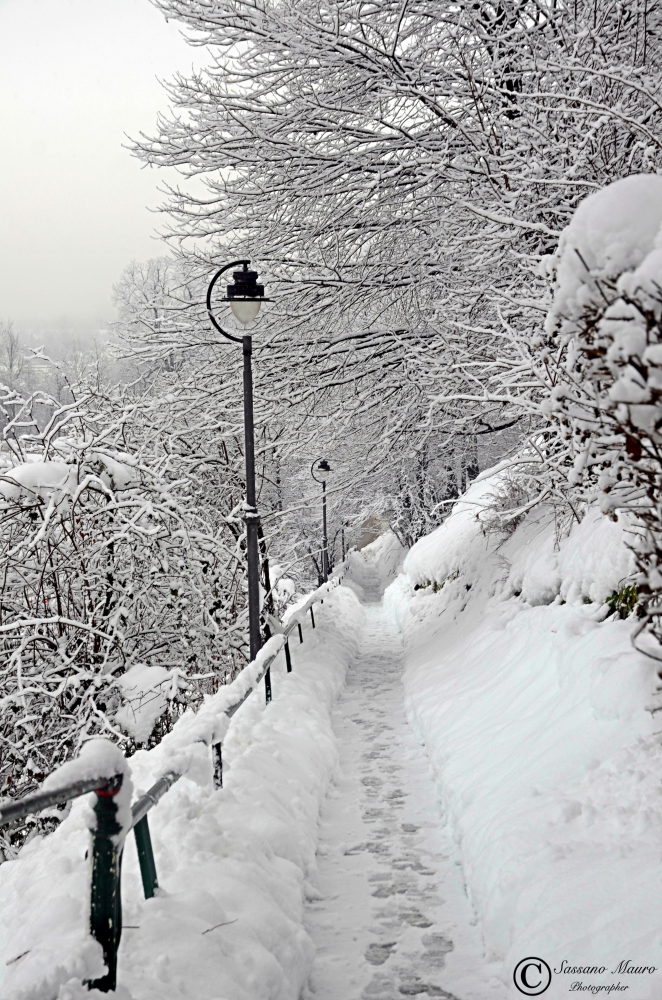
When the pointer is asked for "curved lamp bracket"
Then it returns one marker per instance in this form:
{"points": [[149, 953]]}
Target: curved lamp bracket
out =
{"points": [[312, 471], [237, 340]]}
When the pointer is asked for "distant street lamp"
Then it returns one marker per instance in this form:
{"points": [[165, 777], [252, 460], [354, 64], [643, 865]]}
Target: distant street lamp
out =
{"points": [[245, 297], [322, 468]]}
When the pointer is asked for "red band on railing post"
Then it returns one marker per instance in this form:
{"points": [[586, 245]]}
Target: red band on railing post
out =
{"points": [[110, 788], [106, 908]]}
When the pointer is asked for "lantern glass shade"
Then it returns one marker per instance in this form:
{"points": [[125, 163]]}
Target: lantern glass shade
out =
{"points": [[323, 469], [245, 310]]}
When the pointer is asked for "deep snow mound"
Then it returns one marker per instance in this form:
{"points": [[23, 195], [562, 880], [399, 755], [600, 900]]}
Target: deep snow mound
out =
{"points": [[531, 701]]}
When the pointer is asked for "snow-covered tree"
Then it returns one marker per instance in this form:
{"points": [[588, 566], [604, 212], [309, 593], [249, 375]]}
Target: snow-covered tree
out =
{"points": [[399, 170]]}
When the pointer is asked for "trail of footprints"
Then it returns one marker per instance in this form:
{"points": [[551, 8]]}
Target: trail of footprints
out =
{"points": [[407, 955]]}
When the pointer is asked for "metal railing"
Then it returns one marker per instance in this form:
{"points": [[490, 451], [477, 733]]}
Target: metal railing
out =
{"points": [[107, 840]]}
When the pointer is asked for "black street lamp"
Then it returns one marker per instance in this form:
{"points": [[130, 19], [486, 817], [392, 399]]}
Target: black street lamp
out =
{"points": [[322, 468], [245, 297]]}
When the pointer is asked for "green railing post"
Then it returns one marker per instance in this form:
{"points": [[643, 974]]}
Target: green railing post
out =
{"points": [[217, 760], [146, 857], [288, 658], [106, 909], [312, 616], [300, 632], [267, 685]]}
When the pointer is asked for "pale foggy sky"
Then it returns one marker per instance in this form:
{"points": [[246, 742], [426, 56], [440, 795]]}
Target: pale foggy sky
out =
{"points": [[75, 76]]}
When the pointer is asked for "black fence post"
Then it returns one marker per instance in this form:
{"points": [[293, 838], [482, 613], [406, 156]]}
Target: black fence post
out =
{"points": [[300, 632], [267, 685], [217, 761], [106, 909], [146, 857], [288, 658], [312, 616]]}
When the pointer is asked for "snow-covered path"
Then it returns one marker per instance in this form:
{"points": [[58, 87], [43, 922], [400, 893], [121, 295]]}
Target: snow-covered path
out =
{"points": [[393, 918]]}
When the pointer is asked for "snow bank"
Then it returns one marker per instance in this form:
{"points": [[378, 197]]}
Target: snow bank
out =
{"points": [[590, 563], [458, 545], [531, 705], [233, 864], [386, 553]]}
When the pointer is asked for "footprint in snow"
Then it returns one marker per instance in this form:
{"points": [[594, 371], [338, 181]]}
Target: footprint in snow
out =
{"points": [[416, 987], [415, 919], [436, 948], [385, 891], [377, 954]]}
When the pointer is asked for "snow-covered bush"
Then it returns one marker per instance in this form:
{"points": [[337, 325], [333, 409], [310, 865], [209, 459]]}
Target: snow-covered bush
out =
{"points": [[603, 347], [121, 597]]}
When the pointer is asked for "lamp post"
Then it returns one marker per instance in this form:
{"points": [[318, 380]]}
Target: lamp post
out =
{"points": [[322, 468], [245, 297]]}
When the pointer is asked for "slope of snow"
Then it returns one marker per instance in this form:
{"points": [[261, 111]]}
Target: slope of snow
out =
{"points": [[531, 705], [233, 864]]}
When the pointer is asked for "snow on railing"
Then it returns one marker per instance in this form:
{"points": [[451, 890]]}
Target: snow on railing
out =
{"points": [[102, 768]]}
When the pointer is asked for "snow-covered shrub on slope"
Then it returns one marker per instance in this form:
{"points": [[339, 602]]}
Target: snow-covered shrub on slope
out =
{"points": [[117, 593], [235, 865], [603, 336], [537, 561], [531, 702]]}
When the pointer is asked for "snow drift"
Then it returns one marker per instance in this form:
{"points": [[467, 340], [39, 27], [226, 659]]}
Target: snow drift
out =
{"points": [[531, 702]]}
